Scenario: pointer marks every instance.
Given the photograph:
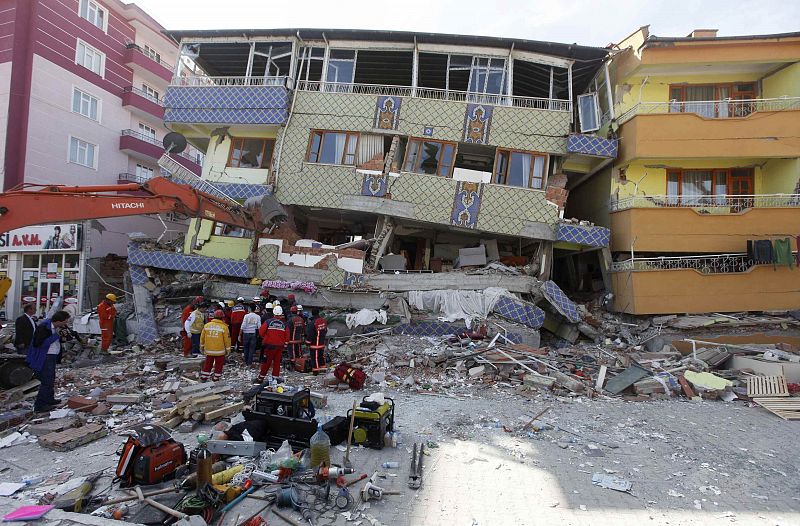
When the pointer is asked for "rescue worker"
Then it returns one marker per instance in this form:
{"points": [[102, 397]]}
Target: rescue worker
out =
{"points": [[266, 312], [194, 326], [187, 311], [297, 325], [316, 332], [238, 312], [215, 344], [274, 335], [250, 326], [108, 314], [291, 300], [43, 355]]}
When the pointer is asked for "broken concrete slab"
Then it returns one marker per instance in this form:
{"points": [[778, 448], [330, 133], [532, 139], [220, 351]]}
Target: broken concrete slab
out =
{"points": [[626, 378], [560, 301], [127, 398], [53, 426], [70, 439]]}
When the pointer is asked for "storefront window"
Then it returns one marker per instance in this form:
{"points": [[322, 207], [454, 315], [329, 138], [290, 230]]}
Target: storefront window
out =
{"points": [[72, 260]]}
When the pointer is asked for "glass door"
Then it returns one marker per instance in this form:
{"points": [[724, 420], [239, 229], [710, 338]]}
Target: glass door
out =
{"points": [[742, 182]]}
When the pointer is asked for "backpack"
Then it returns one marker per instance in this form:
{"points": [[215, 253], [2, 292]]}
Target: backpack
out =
{"points": [[355, 378]]}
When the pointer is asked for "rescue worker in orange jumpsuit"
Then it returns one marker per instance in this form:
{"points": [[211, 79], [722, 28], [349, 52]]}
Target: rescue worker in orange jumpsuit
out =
{"points": [[187, 310], [108, 314], [215, 343]]}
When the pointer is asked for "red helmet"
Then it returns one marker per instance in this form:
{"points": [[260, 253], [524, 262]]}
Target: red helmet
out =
{"points": [[219, 314], [198, 299], [290, 296], [294, 308]]}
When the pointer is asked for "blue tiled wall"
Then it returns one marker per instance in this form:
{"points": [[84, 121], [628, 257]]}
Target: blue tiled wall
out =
{"points": [[227, 104]]}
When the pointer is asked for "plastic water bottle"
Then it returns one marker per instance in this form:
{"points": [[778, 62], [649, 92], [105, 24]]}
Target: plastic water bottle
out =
{"points": [[390, 465], [320, 448], [33, 480]]}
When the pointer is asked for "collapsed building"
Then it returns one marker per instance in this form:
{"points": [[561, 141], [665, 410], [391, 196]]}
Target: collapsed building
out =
{"points": [[402, 161]]}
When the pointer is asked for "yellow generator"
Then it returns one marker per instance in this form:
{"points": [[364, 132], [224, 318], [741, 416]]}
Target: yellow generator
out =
{"points": [[372, 422]]}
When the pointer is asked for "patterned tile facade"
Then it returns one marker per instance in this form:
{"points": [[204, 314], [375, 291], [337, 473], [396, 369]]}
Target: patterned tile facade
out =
{"points": [[592, 145], [591, 236], [477, 124], [242, 191], [560, 301], [227, 104], [466, 204], [335, 275], [188, 263], [147, 329], [506, 209], [267, 262], [519, 311], [387, 113]]}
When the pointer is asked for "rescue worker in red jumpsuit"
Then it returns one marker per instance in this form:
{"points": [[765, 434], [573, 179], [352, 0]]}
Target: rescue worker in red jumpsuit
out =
{"points": [[316, 333], [237, 316], [274, 335], [297, 326], [108, 314]]}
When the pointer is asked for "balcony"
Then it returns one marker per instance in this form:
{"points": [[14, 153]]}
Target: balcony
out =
{"points": [[523, 123], [711, 129], [720, 223], [721, 283], [127, 177], [142, 104], [154, 71], [227, 100], [147, 148]]}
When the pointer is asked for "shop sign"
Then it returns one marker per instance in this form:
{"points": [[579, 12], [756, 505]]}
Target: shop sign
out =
{"points": [[42, 238]]}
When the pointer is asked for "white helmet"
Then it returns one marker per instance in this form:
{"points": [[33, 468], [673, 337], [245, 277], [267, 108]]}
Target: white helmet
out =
{"points": [[240, 298], [277, 310], [299, 307], [269, 306], [257, 299]]}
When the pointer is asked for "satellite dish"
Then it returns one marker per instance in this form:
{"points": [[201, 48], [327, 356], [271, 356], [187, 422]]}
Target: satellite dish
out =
{"points": [[174, 142]]}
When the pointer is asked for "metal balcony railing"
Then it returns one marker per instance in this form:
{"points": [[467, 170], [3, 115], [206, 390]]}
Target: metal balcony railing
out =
{"points": [[710, 204], [710, 264], [142, 137], [713, 109], [138, 49], [127, 177], [436, 94], [201, 80], [142, 93]]}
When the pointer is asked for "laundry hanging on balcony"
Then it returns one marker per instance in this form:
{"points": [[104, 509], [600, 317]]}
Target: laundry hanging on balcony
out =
{"points": [[783, 252]]}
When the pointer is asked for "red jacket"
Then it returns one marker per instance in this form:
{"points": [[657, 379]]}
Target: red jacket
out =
{"points": [[274, 332], [237, 314], [185, 314], [297, 328]]}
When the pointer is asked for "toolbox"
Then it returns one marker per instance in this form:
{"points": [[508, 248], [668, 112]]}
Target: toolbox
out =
{"points": [[294, 404], [372, 421]]}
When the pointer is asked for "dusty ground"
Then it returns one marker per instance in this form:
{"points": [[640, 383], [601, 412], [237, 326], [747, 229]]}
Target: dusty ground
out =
{"points": [[689, 462]]}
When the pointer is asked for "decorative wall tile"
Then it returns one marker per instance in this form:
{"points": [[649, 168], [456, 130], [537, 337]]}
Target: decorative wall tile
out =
{"points": [[335, 275], [466, 204], [267, 262], [560, 301], [519, 311], [592, 236], [506, 209], [374, 185], [241, 191], [227, 104], [187, 263], [477, 124], [592, 145], [387, 113]]}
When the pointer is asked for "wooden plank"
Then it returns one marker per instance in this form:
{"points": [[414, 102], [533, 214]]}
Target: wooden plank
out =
{"points": [[786, 408], [224, 411]]}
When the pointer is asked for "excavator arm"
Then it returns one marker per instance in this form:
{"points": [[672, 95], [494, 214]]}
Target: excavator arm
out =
{"points": [[34, 205]]}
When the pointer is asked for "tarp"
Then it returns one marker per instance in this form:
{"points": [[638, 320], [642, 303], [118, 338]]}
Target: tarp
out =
{"points": [[365, 317], [464, 305]]}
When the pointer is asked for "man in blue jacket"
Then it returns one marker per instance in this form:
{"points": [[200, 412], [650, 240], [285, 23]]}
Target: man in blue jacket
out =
{"points": [[43, 355]]}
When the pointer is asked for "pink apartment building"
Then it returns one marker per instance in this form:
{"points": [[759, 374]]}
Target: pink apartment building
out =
{"points": [[81, 87]]}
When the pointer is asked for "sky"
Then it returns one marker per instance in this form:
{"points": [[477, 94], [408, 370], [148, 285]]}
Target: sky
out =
{"points": [[586, 22]]}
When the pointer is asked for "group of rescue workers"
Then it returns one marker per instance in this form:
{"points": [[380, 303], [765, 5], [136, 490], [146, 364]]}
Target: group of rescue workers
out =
{"points": [[215, 329]]}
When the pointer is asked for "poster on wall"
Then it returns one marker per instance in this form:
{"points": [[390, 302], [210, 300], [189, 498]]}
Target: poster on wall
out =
{"points": [[42, 238]]}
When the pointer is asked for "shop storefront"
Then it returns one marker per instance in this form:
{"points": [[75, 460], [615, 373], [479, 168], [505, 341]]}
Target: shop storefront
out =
{"points": [[44, 263]]}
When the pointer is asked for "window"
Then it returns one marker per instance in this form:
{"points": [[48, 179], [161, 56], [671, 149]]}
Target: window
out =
{"points": [[523, 169], [487, 75], [143, 173], [150, 93], [332, 147], [709, 187], [85, 104], [588, 112], [429, 157], [221, 229], [251, 153], [95, 14], [341, 66], [152, 53], [147, 131], [82, 152], [90, 58], [713, 100]]}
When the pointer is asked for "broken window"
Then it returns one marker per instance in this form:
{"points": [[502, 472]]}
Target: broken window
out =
{"points": [[271, 59], [310, 64], [382, 67], [429, 157], [488, 75], [474, 163], [341, 69], [523, 169], [588, 112], [329, 147], [221, 229], [251, 152]]}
